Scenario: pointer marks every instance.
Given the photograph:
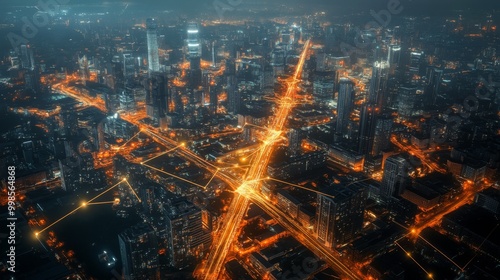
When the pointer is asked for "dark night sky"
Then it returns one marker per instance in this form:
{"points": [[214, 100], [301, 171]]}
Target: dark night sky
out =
{"points": [[416, 6]]}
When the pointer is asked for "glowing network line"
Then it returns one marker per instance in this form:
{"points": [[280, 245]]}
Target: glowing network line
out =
{"points": [[480, 245], [295, 185], [443, 254], [415, 261], [175, 176], [84, 204], [186, 152], [129, 140], [417, 235], [163, 153], [101, 203], [133, 191], [213, 176]]}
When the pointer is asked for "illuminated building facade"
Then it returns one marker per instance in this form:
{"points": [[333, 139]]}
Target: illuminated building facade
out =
{"points": [[193, 41], [378, 84], [374, 131], [394, 56], [139, 253], [152, 38], [340, 218], [187, 239], [157, 98], [345, 104], [395, 177]]}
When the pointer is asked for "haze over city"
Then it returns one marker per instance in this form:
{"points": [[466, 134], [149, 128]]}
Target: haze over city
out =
{"points": [[240, 139]]}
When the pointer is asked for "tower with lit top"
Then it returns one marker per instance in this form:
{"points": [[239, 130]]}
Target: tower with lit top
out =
{"points": [[152, 37]]}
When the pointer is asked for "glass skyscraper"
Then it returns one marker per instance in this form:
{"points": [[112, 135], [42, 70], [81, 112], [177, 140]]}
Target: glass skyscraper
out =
{"points": [[152, 37]]}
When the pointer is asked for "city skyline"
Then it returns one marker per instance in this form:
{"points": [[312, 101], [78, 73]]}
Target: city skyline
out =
{"points": [[250, 140]]}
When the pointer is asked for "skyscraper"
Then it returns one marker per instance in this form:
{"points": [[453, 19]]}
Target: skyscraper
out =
{"points": [[128, 66], [187, 239], [27, 60], [193, 48], [378, 84], [395, 177], [29, 70], [382, 135], [84, 69], [127, 102], [193, 42], [294, 138], [374, 131], [233, 96], [28, 152], [157, 98], [32, 80], [434, 78], [414, 68], [323, 85], [340, 218], [139, 253], [345, 104], [152, 37], [407, 101], [394, 56], [213, 93], [367, 128]]}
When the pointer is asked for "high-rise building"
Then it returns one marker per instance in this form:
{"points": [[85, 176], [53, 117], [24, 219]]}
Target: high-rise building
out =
{"points": [[84, 69], [69, 121], [323, 85], [117, 71], [378, 84], [233, 96], [128, 66], [382, 135], [367, 126], [69, 175], [407, 99], [27, 60], [434, 78], [127, 102], [157, 98], [395, 177], [374, 131], [193, 47], [294, 139], [414, 68], [28, 152], [193, 41], [340, 218], [213, 95], [278, 57], [32, 80], [345, 105], [394, 56], [152, 37], [187, 238], [139, 253]]}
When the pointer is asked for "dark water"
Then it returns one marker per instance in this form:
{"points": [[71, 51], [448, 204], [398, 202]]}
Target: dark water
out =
{"points": [[91, 230]]}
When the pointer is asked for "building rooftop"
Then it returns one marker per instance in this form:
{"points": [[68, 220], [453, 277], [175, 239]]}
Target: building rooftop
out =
{"points": [[478, 221]]}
